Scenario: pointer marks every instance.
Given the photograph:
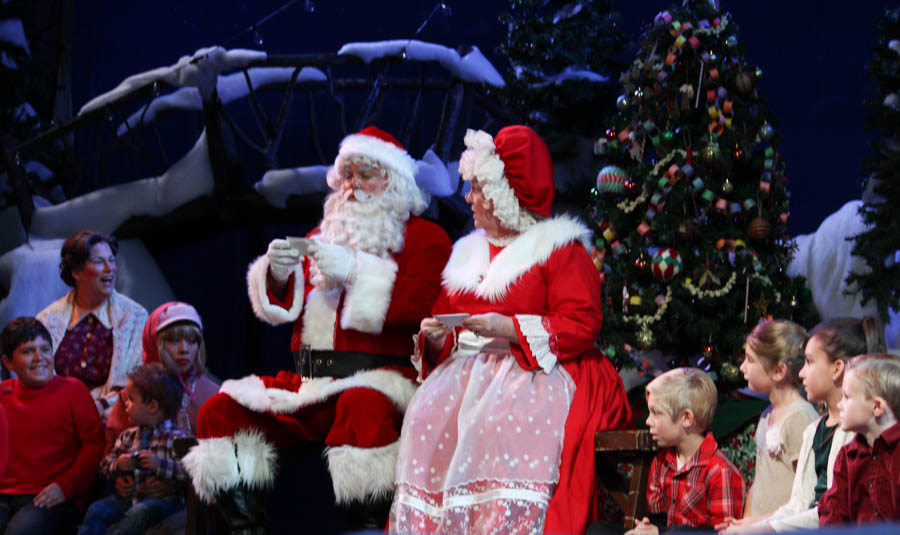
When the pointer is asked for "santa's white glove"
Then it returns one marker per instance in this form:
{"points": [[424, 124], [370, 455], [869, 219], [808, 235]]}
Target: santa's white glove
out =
{"points": [[334, 261], [282, 259]]}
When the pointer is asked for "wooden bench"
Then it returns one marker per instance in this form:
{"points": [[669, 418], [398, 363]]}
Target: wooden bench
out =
{"points": [[633, 446]]}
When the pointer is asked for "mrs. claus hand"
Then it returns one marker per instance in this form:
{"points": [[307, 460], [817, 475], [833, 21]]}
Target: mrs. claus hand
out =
{"points": [[433, 329], [491, 325]]}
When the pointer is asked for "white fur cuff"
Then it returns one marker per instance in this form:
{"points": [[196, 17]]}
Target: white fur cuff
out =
{"points": [[259, 297], [368, 298], [212, 466], [257, 459], [362, 474]]}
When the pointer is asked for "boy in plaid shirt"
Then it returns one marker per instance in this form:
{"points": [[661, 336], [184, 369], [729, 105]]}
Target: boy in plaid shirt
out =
{"points": [[152, 398], [691, 481]]}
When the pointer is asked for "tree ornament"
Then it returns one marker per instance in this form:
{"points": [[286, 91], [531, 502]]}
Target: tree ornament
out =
{"points": [[667, 264], [731, 41], [630, 187], [709, 351], [645, 339], [730, 372], [622, 103], [642, 262], [793, 301], [759, 228], [727, 186], [638, 93], [612, 179], [758, 73], [737, 153], [687, 231], [766, 132], [668, 136], [711, 153], [743, 82], [610, 134]]}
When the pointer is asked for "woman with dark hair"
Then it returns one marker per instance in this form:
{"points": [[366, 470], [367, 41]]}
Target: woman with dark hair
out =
{"points": [[96, 331]]}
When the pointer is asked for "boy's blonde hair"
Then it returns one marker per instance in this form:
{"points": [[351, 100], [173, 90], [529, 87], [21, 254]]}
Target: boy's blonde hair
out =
{"points": [[779, 342], [189, 331], [686, 388], [879, 375]]}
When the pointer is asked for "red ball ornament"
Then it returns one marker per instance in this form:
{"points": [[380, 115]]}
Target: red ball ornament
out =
{"points": [[667, 264], [744, 82], [630, 187], [610, 134]]}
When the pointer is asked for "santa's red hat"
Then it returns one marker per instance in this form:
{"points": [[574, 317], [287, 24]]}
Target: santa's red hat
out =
{"points": [[515, 171], [382, 146]]}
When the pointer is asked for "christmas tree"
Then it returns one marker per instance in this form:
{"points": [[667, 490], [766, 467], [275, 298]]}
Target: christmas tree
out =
{"points": [[691, 202], [564, 60], [878, 245]]}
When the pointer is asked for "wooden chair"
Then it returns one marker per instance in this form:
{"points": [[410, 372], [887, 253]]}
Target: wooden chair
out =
{"points": [[632, 446]]}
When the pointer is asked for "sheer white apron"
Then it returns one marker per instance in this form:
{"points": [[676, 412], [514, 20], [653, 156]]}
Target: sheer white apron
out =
{"points": [[481, 444]]}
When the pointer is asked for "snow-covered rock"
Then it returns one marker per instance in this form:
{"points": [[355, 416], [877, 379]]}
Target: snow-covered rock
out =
{"points": [[473, 67], [200, 70]]}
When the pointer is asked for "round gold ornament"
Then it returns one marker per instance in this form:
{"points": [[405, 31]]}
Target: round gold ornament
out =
{"points": [[730, 372], [645, 339]]}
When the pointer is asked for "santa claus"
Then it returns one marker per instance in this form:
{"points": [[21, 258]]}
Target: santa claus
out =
{"points": [[369, 273]]}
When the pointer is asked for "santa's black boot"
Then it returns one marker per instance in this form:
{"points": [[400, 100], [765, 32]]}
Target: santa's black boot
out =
{"points": [[368, 515], [244, 511]]}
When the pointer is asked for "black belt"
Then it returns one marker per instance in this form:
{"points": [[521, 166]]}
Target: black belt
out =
{"points": [[311, 363]]}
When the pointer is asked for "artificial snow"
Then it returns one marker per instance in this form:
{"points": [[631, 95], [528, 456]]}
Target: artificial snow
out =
{"points": [[435, 177], [824, 258], [473, 67], [571, 73], [279, 184], [106, 209], [12, 32], [201, 70], [31, 273], [569, 10], [230, 88]]}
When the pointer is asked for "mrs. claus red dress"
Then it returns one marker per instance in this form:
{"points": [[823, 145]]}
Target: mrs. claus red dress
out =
{"points": [[499, 437]]}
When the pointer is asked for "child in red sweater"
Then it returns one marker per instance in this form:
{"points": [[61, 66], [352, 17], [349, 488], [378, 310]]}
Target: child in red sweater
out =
{"points": [[865, 488], [56, 438]]}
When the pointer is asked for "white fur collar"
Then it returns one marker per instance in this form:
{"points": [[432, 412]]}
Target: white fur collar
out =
{"points": [[470, 269]]}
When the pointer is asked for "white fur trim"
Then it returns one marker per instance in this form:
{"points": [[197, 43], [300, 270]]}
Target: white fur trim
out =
{"points": [[212, 466], [368, 298], [249, 391], [320, 317], [252, 393], [362, 474], [471, 270], [386, 153], [259, 298], [538, 340], [256, 457]]}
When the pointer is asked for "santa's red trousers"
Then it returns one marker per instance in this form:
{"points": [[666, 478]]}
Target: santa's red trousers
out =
{"points": [[359, 417]]}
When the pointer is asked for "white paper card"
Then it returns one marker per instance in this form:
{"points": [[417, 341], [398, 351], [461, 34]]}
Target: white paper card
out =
{"points": [[301, 244], [451, 320]]}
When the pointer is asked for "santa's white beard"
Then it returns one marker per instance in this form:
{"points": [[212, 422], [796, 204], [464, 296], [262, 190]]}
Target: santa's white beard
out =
{"points": [[375, 226]]}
